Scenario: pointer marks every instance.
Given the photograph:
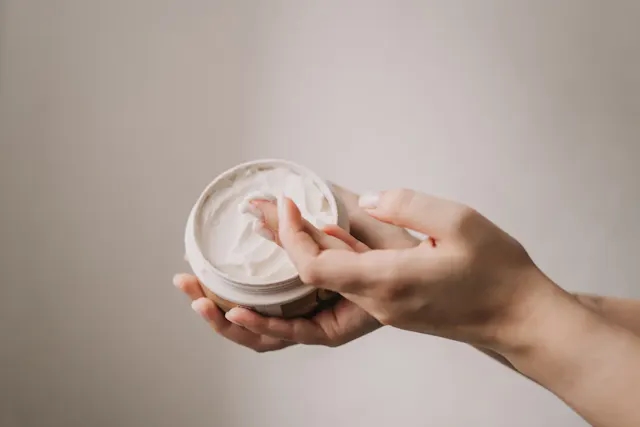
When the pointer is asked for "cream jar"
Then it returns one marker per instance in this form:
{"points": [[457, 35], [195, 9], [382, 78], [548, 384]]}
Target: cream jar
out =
{"points": [[235, 265]]}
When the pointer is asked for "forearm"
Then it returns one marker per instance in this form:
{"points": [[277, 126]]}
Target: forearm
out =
{"points": [[586, 360], [621, 311], [580, 348]]}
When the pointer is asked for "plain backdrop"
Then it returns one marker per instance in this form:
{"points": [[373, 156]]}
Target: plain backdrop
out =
{"points": [[115, 114]]}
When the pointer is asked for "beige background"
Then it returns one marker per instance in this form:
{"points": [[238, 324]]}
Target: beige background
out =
{"points": [[115, 114]]}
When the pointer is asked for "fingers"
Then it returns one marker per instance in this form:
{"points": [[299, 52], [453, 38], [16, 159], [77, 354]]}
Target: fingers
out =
{"points": [[266, 213], [342, 323], [207, 309], [295, 330], [342, 234], [299, 245], [188, 284], [369, 230], [416, 211], [334, 269], [377, 234], [213, 315], [350, 272]]}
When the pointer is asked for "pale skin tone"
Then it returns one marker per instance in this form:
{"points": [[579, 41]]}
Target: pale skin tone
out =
{"points": [[469, 282]]}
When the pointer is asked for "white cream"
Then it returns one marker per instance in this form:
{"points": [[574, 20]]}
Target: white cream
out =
{"points": [[226, 233]]}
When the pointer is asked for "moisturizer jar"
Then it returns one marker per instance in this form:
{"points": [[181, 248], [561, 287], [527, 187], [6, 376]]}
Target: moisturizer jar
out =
{"points": [[238, 267]]}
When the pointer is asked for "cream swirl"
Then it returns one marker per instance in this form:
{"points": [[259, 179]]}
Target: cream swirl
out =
{"points": [[227, 237]]}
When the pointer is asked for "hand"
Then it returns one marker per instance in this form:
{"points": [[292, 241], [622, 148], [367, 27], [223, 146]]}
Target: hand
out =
{"points": [[335, 326], [206, 308], [470, 281]]}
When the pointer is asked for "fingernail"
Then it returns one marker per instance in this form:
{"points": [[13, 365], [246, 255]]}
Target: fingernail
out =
{"points": [[260, 229], [177, 279], [197, 307], [230, 316], [369, 200]]}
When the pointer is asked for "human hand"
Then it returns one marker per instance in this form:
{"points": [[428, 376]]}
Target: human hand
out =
{"points": [[470, 281], [332, 327], [210, 312]]}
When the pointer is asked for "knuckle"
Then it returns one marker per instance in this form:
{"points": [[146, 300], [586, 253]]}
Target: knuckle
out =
{"points": [[331, 336], [465, 218], [333, 340], [309, 273], [466, 213], [329, 342]]}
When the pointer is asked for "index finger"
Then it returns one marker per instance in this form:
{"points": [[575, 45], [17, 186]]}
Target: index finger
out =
{"points": [[303, 251], [298, 244]]}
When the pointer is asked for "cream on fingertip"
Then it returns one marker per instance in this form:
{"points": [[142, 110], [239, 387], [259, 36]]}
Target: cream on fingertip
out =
{"points": [[247, 206], [261, 230]]}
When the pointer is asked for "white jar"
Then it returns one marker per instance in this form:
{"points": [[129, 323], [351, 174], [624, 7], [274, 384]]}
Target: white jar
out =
{"points": [[284, 296]]}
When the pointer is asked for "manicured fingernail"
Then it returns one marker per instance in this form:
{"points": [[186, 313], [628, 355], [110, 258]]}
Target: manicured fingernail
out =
{"points": [[231, 316], [369, 200], [177, 279], [260, 229], [198, 308]]}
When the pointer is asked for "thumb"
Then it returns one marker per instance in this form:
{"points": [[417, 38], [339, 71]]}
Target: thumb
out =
{"points": [[414, 210]]}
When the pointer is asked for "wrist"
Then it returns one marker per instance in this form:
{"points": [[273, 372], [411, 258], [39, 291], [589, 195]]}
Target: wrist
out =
{"points": [[585, 360], [531, 310], [559, 341]]}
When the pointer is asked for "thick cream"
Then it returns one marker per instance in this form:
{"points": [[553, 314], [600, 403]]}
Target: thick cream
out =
{"points": [[226, 235]]}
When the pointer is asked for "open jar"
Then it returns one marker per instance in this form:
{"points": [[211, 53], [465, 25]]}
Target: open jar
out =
{"points": [[236, 266]]}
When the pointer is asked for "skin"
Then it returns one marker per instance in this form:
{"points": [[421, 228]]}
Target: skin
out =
{"points": [[470, 282]]}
